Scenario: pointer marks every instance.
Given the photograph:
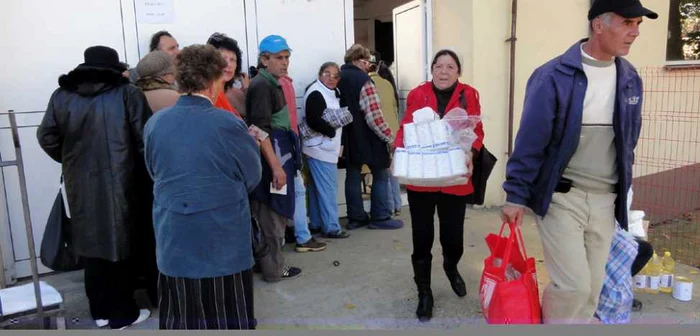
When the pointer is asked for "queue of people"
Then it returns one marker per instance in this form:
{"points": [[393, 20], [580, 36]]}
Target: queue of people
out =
{"points": [[168, 179]]}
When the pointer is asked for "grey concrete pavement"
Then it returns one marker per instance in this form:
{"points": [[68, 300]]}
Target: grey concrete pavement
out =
{"points": [[372, 287]]}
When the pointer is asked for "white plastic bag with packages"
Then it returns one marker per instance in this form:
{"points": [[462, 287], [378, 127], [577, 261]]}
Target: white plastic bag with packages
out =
{"points": [[442, 146]]}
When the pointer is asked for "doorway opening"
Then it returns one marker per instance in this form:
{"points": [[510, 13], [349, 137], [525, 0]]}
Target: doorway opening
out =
{"points": [[374, 28]]}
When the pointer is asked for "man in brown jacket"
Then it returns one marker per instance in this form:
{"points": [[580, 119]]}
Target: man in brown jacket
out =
{"points": [[390, 108]]}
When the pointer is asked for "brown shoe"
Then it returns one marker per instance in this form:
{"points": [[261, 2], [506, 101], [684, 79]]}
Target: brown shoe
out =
{"points": [[311, 246]]}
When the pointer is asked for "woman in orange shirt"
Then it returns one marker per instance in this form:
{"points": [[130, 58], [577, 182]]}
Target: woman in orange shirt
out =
{"points": [[230, 51]]}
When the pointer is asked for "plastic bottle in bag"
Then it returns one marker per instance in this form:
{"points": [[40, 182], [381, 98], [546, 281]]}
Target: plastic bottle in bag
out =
{"points": [[497, 262], [511, 273]]}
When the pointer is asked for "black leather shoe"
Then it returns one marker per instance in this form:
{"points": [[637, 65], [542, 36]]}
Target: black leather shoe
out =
{"points": [[456, 281], [636, 305], [354, 225]]}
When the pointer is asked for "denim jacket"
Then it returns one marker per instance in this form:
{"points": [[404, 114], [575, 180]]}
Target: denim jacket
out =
{"points": [[203, 164]]}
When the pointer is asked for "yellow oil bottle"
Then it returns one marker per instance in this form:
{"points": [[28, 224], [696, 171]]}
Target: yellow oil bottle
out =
{"points": [[655, 268], [641, 279], [667, 273]]}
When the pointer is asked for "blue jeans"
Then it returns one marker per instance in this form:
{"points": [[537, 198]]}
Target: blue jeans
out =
{"points": [[381, 206], [395, 193], [301, 226], [323, 188]]}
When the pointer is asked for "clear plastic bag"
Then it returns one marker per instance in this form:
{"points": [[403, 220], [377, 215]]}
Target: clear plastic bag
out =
{"points": [[461, 127]]}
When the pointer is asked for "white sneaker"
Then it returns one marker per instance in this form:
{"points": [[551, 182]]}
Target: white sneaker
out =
{"points": [[144, 314], [102, 323]]}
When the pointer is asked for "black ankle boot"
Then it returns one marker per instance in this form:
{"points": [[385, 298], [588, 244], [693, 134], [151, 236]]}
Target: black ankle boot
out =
{"points": [[421, 271], [424, 312], [456, 281]]}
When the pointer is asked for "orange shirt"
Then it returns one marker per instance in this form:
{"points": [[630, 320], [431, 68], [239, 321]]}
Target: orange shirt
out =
{"points": [[222, 103]]}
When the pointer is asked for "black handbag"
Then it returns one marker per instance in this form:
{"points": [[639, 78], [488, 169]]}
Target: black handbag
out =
{"points": [[483, 166], [56, 250], [484, 161]]}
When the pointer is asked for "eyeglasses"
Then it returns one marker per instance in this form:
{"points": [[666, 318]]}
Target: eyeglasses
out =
{"points": [[329, 76]]}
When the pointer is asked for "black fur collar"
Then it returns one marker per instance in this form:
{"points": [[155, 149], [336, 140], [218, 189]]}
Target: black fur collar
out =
{"points": [[90, 80]]}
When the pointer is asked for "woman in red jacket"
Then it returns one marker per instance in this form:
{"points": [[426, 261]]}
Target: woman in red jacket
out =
{"points": [[442, 94]]}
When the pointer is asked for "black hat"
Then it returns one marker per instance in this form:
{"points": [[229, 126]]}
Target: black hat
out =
{"points": [[624, 8], [101, 57]]}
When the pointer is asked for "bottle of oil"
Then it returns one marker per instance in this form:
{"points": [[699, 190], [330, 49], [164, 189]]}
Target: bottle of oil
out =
{"points": [[667, 273], [641, 279], [655, 267]]}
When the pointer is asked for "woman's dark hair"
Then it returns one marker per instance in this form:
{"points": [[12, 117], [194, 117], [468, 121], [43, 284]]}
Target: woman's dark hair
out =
{"points": [[446, 52], [197, 66], [221, 41], [155, 39]]}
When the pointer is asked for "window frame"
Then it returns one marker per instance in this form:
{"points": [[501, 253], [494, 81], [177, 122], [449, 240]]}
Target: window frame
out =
{"points": [[677, 64]]}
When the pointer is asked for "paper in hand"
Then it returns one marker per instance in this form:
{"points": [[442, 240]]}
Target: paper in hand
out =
{"points": [[282, 191]]}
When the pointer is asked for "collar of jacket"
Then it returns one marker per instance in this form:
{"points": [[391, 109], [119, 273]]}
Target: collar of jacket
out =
{"points": [[350, 66], [267, 75], [572, 61], [192, 100]]}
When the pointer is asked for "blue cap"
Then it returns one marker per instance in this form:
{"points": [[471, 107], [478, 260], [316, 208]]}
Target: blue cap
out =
{"points": [[273, 44]]}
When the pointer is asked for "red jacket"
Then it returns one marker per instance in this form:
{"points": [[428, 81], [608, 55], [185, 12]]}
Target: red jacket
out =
{"points": [[423, 96]]}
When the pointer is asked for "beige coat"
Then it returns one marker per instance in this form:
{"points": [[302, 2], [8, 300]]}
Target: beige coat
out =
{"points": [[161, 98]]}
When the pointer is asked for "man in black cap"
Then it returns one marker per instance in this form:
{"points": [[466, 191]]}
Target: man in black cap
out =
{"points": [[585, 109], [93, 126]]}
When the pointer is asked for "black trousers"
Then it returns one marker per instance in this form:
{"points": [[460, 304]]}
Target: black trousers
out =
{"points": [[110, 290], [145, 263], [218, 303], [646, 251], [451, 210]]}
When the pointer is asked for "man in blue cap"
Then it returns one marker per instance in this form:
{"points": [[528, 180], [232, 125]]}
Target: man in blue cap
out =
{"points": [[585, 109], [273, 201]]}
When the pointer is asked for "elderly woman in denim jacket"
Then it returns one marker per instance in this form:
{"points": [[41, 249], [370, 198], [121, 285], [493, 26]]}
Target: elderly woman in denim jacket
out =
{"points": [[204, 164]]}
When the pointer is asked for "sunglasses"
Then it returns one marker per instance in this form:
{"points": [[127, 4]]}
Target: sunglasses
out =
{"points": [[329, 76]]}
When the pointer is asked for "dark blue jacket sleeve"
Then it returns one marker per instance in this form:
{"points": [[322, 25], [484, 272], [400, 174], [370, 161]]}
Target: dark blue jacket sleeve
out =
{"points": [[245, 153], [532, 139]]}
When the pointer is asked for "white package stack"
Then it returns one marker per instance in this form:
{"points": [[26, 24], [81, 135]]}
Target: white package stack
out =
{"points": [[425, 137], [410, 136], [458, 161], [430, 166], [438, 129], [400, 163], [424, 115], [443, 164], [415, 165]]}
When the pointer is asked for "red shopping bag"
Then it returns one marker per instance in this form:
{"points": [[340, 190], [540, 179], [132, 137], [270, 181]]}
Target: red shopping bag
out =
{"points": [[507, 298]]}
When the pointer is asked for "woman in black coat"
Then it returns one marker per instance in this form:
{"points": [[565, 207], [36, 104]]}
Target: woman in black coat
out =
{"points": [[93, 126]]}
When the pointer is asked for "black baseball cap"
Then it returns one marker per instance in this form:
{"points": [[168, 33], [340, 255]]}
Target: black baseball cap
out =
{"points": [[624, 8]]}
